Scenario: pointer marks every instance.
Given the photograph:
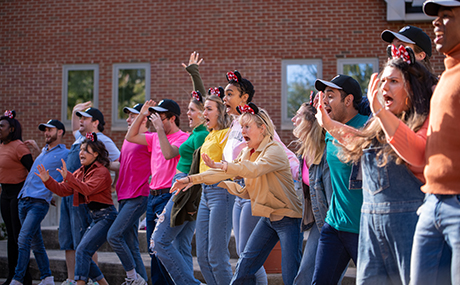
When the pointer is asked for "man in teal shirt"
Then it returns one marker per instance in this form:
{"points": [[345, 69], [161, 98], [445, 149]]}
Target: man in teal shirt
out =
{"points": [[338, 241]]}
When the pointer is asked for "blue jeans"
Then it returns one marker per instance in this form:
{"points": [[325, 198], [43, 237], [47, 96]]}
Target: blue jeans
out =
{"points": [[155, 206], [31, 213], [264, 237], [93, 239], [307, 265], [123, 234], [173, 245], [335, 249], [243, 225], [73, 222], [213, 229], [436, 248]]}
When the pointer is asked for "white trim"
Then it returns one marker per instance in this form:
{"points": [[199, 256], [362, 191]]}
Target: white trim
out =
{"points": [[65, 76], [120, 124], [286, 123], [396, 11]]}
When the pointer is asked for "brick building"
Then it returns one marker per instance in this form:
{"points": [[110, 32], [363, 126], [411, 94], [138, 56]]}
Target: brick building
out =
{"points": [[43, 43]]}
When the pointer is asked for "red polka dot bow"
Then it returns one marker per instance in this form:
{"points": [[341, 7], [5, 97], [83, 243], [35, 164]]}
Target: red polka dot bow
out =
{"points": [[197, 96], [9, 114], [246, 109], [400, 52], [214, 91], [91, 136], [231, 76]]}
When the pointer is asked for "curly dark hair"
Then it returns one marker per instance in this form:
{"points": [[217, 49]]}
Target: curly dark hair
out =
{"points": [[244, 86], [99, 147]]}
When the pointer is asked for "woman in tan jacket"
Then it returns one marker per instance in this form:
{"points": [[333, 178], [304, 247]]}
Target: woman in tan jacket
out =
{"points": [[269, 185]]}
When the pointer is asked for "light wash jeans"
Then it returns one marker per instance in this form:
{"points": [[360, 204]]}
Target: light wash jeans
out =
{"points": [[213, 230], [123, 234], [436, 248], [93, 239], [31, 213], [307, 265], [264, 237], [243, 225], [173, 245]]}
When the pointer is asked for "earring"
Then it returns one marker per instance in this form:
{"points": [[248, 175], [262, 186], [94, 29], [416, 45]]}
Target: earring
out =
{"points": [[407, 101]]}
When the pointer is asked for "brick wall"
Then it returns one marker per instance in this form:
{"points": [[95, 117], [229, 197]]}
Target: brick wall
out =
{"points": [[252, 36]]}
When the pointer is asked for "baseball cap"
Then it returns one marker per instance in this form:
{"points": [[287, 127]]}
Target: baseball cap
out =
{"points": [[166, 105], [343, 82], [411, 35], [52, 124], [136, 109], [92, 113], [431, 7]]}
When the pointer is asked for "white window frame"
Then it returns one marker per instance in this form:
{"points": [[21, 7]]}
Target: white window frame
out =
{"points": [[120, 124], [396, 11], [65, 77], [286, 123], [373, 60]]}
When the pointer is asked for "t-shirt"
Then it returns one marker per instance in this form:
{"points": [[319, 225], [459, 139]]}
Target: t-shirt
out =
{"points": [[213, 146], [186, 150], [12, 171], [133, 179], [305, 173], [163, 170], [345, 210]]}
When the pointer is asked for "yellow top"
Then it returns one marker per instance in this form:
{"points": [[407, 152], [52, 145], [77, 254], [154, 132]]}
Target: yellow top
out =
{"points": [[213, 146]]}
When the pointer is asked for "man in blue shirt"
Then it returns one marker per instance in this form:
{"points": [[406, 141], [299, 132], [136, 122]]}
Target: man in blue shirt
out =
{"points": [[34, 199], [338, 241], [75, 219]]}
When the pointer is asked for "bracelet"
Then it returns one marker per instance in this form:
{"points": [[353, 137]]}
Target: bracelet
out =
{"points": [[376, 113], [189, 179]]}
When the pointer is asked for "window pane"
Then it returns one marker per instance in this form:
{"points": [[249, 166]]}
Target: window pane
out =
{"points": [[300, 82], [80, 88], [131, 89], [361, 72]]}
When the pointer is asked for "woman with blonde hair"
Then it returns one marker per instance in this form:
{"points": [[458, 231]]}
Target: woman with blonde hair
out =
{"points": [[269, 186]]}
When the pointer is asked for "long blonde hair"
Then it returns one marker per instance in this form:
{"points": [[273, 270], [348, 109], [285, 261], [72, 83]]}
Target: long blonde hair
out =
{"points": [[310, 136], [223, 120]]}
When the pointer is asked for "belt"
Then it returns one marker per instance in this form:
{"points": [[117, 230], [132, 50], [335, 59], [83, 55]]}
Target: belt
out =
{"points": [[35, 200], [159, 192]]}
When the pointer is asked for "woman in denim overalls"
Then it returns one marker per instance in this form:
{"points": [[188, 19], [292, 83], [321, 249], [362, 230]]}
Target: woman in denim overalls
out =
{"points": [[391, 151]]}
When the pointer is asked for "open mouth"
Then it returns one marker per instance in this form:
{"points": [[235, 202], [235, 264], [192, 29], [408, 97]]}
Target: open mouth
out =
{"points": [[388, 100], [246, 138]]}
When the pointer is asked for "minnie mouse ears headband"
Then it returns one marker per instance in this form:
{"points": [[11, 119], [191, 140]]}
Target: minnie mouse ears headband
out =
{"points": [[233, 76], [91, 136], [249, 108], [197, 96], [10, 114], [218, 91], [405, 53]]}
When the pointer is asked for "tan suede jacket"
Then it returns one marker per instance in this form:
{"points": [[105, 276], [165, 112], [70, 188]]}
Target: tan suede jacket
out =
{"points": [[268, 178]]}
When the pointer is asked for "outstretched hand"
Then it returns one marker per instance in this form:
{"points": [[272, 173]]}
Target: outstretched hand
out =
{"points": [[181, 184], [145, 108], [63, 170], [322, 116], [209, 162], [194, 59], [372, 92], [42, 173]]}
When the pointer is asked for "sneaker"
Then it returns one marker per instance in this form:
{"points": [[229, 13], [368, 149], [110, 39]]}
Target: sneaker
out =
{"points": [[138, 281], [15, 282], [91, 282], [47, 281], [69, 282]]}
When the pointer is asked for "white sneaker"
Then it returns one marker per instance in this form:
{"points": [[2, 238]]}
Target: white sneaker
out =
{"points": [[90, 282], [15, 282], [69, 282], [138, 281], [47, 281]]}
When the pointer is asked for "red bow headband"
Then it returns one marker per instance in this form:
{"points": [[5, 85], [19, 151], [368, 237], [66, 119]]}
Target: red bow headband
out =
{"points": [[9, 114], [91, 136], [405, 53], [197, 96], [214, 91], [249, 108], [231, 76]]}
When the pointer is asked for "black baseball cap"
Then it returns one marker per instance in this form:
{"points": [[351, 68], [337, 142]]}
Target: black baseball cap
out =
{"points": [[412, 35], [166, 105], [431, 7], [342, 82], [52, 124], [92, 113], [136, 109]]}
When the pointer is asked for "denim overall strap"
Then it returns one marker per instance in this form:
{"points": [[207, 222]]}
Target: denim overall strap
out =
{"points": [[392, 188]]}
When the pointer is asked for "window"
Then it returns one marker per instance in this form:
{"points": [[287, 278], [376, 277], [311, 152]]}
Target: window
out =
{"points": [[298, 80], [130, 85], [360, 69], [406, 10], [80, 83]]}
